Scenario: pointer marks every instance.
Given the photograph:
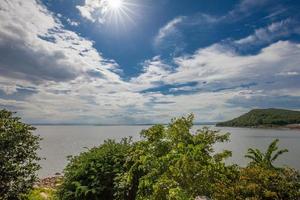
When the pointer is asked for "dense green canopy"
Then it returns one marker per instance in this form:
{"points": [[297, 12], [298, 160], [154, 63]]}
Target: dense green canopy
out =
{"points": [[173, 163]]}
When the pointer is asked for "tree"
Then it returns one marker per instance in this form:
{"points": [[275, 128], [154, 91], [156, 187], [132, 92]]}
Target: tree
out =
{"points": [[18, 156], [173, 163], [265, 159], [91, 175]]}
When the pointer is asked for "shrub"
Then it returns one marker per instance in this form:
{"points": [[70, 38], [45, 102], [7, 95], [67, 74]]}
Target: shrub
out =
{"points": [[256, 182], [172, 163], [18, 156], [91, 175], [261, 179]]}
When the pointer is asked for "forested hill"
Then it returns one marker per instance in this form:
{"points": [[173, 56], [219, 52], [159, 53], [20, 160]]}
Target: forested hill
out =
{"points": [[264, 118]]}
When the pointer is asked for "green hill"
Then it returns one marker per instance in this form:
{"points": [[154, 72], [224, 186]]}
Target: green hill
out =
{"points": [[264, 118]]}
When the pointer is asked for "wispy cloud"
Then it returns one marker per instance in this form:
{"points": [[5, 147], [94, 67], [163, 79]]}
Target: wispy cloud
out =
{"points": [[169, 28], [276, 30]]}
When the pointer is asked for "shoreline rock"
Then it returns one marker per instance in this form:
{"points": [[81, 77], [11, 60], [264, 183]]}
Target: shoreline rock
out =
{"points": [[49, 182]]}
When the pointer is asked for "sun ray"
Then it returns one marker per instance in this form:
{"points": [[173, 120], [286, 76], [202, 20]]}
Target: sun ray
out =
{"points": [[118, 12]]}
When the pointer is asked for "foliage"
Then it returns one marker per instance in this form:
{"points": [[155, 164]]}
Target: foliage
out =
{"points": [[259, 183], [264, 117], [261, 179], [41, 194], [18, 156], [265, 159], [172, 163], [91, 175]]}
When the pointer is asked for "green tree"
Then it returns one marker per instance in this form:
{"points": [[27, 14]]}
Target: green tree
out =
{"points": [[173, 163], [18, 156], [91, 175], [265, 159]]}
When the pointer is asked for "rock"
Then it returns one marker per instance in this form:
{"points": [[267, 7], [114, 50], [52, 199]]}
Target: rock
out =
{"points": [[49, 182]]}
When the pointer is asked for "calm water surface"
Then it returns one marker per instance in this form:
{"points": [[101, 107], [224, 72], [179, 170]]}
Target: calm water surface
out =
{"points": [[60, 141]]}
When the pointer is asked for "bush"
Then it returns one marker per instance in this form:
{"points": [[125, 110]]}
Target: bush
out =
{"points": [[91, 175], [172, 163], [256, 182], [261, 179], [18, 156]]}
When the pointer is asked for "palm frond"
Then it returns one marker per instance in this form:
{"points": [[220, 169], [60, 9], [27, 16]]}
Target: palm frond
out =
{"points": [[265, 159], [272, 148], [255, 155], [282, 151]]}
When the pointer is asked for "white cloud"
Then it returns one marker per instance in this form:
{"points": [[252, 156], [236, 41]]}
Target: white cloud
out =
{"points": [[36, 46], [155, 71], [72, 23], [222, 75], [89, 7], [244, 9], [65, 70], [169, 28], [218, 64], [272, 32]]}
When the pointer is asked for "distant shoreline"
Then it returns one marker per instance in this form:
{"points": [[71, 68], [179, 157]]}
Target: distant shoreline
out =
{"points": [[289, 127], [37, 124]]}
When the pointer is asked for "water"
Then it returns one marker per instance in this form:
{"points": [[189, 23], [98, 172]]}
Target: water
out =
{"points": [[60, 141]]}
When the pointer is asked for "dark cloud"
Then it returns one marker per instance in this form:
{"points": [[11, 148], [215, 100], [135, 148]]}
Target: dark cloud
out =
{"points": [[18, 60], [20, 94]]}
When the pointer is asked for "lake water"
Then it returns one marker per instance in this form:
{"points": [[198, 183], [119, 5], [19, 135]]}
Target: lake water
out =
{"points": [[60, 141]]}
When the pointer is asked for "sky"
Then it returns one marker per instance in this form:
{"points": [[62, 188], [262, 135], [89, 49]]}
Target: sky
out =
{"points": [[147, 61]]}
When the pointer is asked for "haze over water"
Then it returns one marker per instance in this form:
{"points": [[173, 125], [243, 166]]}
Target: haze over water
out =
{"points": [[60, 141]]}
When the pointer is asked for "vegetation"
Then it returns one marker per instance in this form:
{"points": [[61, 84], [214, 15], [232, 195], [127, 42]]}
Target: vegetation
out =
{"points": [[261, 180], [260, 183], [172, 163], [41, 194], [264, 118], [91, 175], [18, 156], [265, 159], [169, 163]]}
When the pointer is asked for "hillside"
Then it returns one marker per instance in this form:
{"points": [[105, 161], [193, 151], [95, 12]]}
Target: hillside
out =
{"points": [[264, 118]]}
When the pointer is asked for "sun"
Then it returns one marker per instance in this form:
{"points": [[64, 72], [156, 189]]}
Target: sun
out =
{"points": [[118, 12], [115, 4]]}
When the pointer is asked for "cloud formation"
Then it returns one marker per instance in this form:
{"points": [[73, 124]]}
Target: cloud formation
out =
{"points": [[272, 32], [50, 74]]}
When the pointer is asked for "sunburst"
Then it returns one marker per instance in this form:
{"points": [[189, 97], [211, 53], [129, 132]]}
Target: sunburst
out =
{"points": [[119, 12], [115, 4]]}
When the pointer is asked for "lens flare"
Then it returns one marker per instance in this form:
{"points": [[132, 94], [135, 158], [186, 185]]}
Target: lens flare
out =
{"points": [[115, 4]]}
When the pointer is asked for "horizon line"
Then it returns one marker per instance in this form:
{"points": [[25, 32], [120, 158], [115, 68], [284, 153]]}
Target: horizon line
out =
{"points": [[125, 124]]}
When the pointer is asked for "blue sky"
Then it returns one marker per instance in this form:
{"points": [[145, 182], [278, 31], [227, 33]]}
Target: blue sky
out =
{"points": [[146, 61]]}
